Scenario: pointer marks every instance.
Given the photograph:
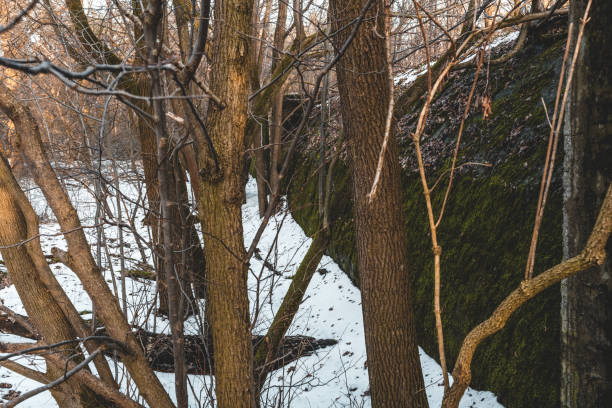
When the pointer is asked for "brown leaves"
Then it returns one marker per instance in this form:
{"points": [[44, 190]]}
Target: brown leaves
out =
{"points": [[485, 104]]}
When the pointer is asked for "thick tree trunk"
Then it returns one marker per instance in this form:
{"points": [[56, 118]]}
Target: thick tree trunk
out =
{"points": [[24, 122], [17, 224], [220, 212], [393, 359], [586, 299]]}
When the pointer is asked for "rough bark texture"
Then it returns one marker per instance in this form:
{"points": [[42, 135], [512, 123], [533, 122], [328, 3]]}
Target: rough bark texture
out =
{"points": [[85, 267], [220, 212], [491, 207], [393, 360], [25, 125], [586, 304], [18, 222]]}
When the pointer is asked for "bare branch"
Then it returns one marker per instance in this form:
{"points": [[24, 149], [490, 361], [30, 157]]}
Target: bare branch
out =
{"points": [[19, 16], [594, 253]]}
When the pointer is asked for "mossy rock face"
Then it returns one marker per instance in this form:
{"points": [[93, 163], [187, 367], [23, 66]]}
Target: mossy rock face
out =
{"points": [[486, 229], [303, 197]]}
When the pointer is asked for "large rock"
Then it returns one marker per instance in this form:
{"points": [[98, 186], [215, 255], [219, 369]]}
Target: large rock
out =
{"points": [[486, 229]]}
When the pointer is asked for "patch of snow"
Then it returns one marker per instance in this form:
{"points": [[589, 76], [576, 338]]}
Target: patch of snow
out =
{"points": [[332, 377], [406, 77]]}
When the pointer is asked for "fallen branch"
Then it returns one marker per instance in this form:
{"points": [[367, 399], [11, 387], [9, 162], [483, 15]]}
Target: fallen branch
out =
{"points": [[199, 354], [158, 348]]}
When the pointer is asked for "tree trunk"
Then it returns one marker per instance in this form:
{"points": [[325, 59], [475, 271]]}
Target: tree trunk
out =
{"points": [[82, 260], [393, 359], [220, 205], [276, 114], [169, 205], [258, 139], [586, 299], [18, 222]]}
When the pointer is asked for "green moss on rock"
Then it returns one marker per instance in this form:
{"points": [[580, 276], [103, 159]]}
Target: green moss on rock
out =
{"points": [[303, 197], [486, 229]]}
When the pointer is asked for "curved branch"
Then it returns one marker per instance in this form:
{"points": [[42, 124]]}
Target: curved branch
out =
{"points": [[198, 50], [593, 254]]}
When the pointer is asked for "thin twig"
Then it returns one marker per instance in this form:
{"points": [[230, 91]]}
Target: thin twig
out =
{"points": [[54, 383], [554, 140], [391, 105], [19, 16]]}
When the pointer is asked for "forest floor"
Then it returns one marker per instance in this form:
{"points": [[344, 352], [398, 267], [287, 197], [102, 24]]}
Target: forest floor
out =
{"points": [[333, 377]]}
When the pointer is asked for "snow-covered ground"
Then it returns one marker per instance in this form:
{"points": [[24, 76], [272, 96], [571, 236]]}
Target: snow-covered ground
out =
{"points": [[333, 377]]}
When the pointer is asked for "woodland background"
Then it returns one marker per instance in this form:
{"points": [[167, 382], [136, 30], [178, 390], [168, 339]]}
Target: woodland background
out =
{"points": [[453, 158]]}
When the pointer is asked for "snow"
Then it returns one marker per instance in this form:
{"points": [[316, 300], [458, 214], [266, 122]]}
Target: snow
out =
{"points": [[333, 377], [410, 75]]}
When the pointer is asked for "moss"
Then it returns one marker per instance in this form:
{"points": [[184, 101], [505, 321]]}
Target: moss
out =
{"points": [[140, 273], [487, 226], [485, 236], [303, 197]]}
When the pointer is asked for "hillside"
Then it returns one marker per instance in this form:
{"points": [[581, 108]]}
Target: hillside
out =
{"points": [[487, 226]]}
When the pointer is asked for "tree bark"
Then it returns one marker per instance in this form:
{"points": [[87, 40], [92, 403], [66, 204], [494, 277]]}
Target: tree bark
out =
{"points": [[586, 299], [220, 212], [18, 222], [80, 251], [393, 359]]}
